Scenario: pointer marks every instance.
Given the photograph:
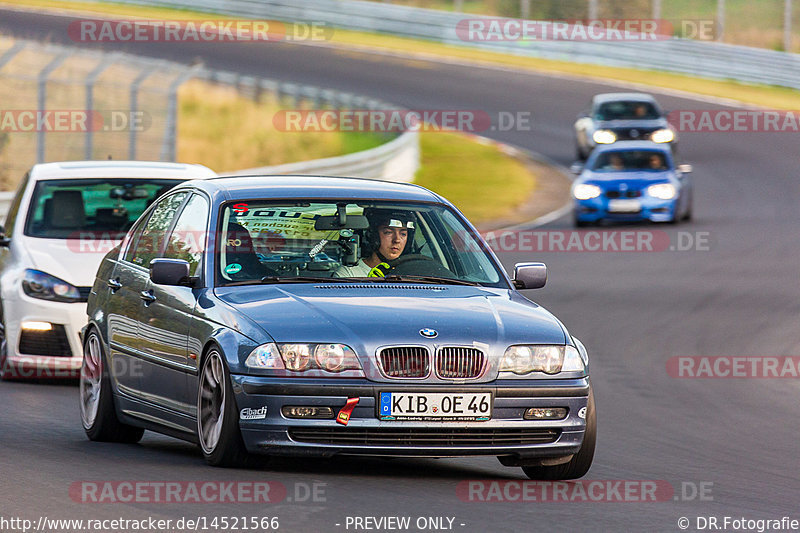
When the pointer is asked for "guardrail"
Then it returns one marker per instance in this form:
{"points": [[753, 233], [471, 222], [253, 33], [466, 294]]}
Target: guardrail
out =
{"points": [[101, 84], [697, 58]]}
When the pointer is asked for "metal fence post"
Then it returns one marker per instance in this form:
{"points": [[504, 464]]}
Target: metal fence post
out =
{"points": [[656, 10], [134, 105], [593, 10], [42, 100], [11, 52], [525, 9], [458, 6], [787, 26], [171, 130], [90, 81], [720, 19]]}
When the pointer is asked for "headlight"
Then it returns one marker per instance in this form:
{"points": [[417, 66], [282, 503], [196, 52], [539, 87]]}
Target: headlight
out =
{"points": [[37, 284], [303, 357], [662, 191], [335, 358], [604, 137], [525, 359], [265, 356], [584, 191], [664, 135]]}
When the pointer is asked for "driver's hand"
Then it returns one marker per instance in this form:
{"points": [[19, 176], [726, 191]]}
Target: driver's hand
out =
{"points": [[379, 271]]}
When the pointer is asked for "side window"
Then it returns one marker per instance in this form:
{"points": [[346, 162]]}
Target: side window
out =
{"points": [[187, 240], [13, 209], [152, 237], [133, 238]]}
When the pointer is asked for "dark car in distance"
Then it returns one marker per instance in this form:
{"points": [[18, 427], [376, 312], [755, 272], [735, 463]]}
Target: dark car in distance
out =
{"points": [[614, 117], [296, 315]]}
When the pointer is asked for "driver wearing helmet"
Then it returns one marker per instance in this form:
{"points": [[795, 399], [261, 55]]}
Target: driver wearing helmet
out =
{"points": [[388, 237]]}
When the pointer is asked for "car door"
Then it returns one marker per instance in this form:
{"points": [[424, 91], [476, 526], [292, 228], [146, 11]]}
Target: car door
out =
{"points": [[128, 284], [164, 323]]}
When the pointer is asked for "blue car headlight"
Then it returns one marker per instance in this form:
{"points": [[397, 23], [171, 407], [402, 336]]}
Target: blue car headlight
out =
{"points": [[586, 191], [299, 357], [662, 191], [40, 285], [549, 359]]}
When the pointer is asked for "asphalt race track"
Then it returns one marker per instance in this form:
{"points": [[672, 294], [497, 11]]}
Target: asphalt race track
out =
{"points": [[739, 296]]}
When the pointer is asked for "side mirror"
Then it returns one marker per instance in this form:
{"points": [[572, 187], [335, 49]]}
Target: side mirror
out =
{"points": [[169, 272], [530, 275], [576, 168], [685, 168], [4, 241]]}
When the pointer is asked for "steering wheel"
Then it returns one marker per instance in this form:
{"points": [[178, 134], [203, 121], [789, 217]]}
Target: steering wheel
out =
{"points": [[418, 265]]}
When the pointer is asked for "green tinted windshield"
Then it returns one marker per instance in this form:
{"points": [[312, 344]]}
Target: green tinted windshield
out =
{"points": [[63, 209]]}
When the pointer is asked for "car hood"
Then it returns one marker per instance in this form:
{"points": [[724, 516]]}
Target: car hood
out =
{"points": [[72, 260], [625, 124], [368, 316], [634, 180]]}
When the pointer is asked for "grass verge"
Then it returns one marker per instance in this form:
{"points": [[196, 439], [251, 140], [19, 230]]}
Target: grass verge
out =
{"points": [[481, 180], [221, 129]]}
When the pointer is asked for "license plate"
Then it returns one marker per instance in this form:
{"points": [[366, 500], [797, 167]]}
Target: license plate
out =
{"points": [[624, 206], [458, 406]]}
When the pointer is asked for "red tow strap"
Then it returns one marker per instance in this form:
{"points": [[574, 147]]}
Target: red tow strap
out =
{"points": [[344, 415]]}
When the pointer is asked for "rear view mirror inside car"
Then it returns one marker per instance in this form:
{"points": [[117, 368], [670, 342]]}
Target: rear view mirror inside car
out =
{"points": [[332, 222]]}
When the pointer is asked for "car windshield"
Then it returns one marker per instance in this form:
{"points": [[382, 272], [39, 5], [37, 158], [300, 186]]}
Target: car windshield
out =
{"points": [[336, 241], [626, 111], [69, 209], [631, 160]]}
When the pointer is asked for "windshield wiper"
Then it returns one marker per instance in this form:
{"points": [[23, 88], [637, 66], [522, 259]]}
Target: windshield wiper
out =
{"points": [[303, 279], [430, 279]]}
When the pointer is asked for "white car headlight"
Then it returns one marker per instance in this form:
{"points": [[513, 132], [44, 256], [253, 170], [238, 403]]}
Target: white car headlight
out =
{"points": [[604, 137], [664, 135], [662, 191], [524, 359], [43, 286], [298, 357], [585, 191], [265, 356], [336, 357]]}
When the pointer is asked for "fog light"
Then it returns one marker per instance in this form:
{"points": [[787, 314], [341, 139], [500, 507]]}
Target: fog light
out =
{"points": [[294, 411], [37, 326], [545, 413]]}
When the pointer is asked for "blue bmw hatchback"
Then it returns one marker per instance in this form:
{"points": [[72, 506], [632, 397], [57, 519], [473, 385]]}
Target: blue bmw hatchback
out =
{"points": [[632, 181], [295, 315]]}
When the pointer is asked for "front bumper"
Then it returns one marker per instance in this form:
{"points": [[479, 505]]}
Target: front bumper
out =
{"points": [[57, 353], [651, 209], [505, 434]]}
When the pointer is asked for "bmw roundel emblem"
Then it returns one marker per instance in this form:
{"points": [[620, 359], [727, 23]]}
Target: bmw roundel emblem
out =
{"points": [[635, 133], [428, 332]]}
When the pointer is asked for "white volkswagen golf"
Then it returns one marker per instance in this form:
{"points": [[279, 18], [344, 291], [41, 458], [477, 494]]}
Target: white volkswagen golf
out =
{"points": [[63, 219]]}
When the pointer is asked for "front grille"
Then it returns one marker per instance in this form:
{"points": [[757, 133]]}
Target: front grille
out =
{"points": [[459, 362], [625, 134], [52, 343], [352, 436], [84, 292], [405, 361], [623, 194]]}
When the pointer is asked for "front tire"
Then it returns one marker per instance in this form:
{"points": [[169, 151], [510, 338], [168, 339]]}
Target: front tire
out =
{"points": [[580, 462], [218, 429], [98, 415]]}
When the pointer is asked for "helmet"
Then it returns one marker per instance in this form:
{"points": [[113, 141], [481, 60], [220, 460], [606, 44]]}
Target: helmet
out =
{"points": [[393, 218]]}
